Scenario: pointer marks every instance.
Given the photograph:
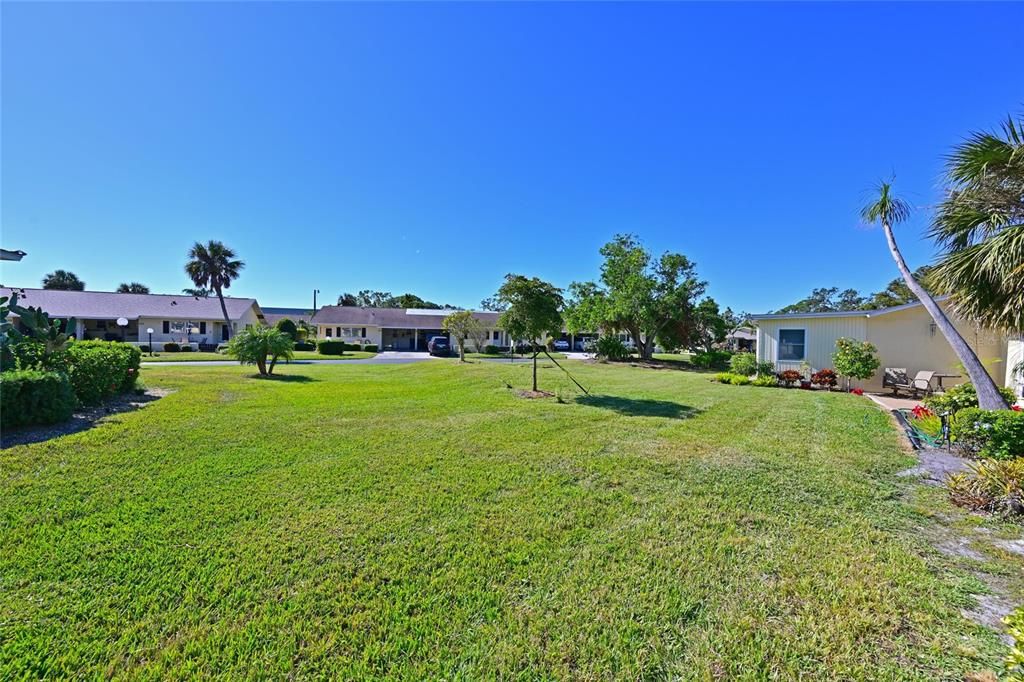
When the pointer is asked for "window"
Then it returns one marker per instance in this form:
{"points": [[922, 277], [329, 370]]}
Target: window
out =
{"points": [[497, 334], [327, 332], [167, 327], [792, 344], [179, 327], [202, 327]]}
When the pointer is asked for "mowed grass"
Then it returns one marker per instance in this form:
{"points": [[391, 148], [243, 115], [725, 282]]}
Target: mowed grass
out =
{"points": [[422, 522], [197, 356]]}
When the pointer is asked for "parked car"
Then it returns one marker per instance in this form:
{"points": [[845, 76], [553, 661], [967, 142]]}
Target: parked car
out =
{"points": [[439, 346], [561, 344]]}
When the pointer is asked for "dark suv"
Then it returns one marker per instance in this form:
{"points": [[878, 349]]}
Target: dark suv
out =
{"points": [[438, 346]]}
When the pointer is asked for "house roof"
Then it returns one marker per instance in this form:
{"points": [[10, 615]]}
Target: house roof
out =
{"points": [[106, 305], [393, 318], [273, 315], [845, 313]]}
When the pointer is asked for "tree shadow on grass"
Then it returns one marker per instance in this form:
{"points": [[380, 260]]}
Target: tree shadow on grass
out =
{"points": [[286, 378], [639, 407]]}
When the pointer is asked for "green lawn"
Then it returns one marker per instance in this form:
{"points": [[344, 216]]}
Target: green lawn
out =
{"points": [[423, 522], [299, 355]]}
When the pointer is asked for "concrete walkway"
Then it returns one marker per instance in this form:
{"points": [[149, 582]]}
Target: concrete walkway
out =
{"points": [[385, 358]]}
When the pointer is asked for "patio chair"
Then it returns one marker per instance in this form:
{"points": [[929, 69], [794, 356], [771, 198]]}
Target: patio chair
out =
{"points": [[895, 377], [922, 384]]}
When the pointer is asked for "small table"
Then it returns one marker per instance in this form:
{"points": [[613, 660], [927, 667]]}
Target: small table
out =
{"points": [[940, 377]]}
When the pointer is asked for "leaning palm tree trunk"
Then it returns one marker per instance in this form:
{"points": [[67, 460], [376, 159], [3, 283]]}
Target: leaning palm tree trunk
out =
{"points": [[989, 397], [224, 311]]}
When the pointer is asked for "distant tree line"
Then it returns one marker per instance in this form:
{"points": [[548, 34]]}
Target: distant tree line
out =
{"points": [[368, 298], [832, 300]]}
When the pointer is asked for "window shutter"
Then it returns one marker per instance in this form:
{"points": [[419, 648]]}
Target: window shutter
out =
{"points": [[337, 331], [364, 332], [167, 327], [202, 327]]}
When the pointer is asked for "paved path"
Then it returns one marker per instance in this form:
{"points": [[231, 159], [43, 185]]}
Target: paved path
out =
{"points": [[385, 358]]}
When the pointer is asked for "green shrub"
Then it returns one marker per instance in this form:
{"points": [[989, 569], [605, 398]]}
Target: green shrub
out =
{"points": [[766, 380], [723, 377], [491, 349], [998, 434], [330, 347], [304, 345], [739, 380], [1015, 660], [990, 485], [31, 354], [370, 348], [171, 347], [743, 364], [34, 397], [144, 348], [611, 348], [766, 368], [186, 348], [959, 397], [288, 328], [716, 359], [99, 369]]}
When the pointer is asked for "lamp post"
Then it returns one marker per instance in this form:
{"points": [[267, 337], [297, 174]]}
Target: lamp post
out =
{"points": [[315, 292], [149, 331]]}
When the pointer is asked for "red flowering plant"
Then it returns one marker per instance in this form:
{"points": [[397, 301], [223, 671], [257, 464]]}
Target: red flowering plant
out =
{"points": [[922, 412], [826, 378], [1015, 408], [789, 377], [857, 391]]}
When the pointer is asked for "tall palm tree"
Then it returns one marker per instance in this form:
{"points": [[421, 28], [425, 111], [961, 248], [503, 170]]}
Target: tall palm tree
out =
{"points": [[63, 280], [132, 288], [980, 226], [214, 266], [890, 210]]}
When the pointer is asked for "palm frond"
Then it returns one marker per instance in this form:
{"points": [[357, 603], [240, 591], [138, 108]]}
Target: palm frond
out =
{"points": [[886, 208]]}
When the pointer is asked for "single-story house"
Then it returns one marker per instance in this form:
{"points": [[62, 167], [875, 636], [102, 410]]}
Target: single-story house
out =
{"points": [[905, 336], [179, 318], [275, 315], [742, 339], [401, 329]]}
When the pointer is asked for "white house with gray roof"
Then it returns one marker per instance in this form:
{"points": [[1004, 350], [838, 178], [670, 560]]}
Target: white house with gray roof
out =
{"points": [[401, 329], [179, 318]]}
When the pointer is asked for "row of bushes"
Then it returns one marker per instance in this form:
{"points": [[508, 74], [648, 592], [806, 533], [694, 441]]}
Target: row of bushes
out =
{"points": [[36, 392], [339, 347]]}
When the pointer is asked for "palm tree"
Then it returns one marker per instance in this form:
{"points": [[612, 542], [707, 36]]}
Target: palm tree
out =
{"points": [[64, 281], [213, 266], [890, 210], [132, 288], [199, 292], [980, 226]]}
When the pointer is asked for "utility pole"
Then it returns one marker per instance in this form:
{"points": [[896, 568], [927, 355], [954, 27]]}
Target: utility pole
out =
{"points": [[315, 292]]}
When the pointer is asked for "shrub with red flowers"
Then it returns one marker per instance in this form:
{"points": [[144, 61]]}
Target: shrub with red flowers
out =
{"points": [[790, 377], [857, 391], [922, 412], [826, 378]]}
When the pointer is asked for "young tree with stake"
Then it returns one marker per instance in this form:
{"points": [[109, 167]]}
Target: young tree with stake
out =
{"points": [[533, 311]]}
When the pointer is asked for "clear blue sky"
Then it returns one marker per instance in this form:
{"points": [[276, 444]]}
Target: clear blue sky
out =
{"points": [[433, 148]]}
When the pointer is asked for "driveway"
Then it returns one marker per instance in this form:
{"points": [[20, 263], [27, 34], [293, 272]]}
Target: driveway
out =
{"points": [[385, 358]]}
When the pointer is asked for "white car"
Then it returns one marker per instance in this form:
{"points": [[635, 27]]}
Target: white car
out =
{"points": [[561, 344]]}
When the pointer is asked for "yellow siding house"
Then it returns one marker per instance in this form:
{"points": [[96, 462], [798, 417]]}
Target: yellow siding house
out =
{"points": [[905, 337]]}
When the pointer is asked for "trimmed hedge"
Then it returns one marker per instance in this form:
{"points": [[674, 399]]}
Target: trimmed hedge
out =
{"points": [[34, 397], [370, 348], [171, 347], [99, 369], [331, 347], [304, 345]]}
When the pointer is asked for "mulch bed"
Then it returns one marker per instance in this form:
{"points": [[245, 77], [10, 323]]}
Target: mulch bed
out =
{"points": [[530, 395], [83, 419]]}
